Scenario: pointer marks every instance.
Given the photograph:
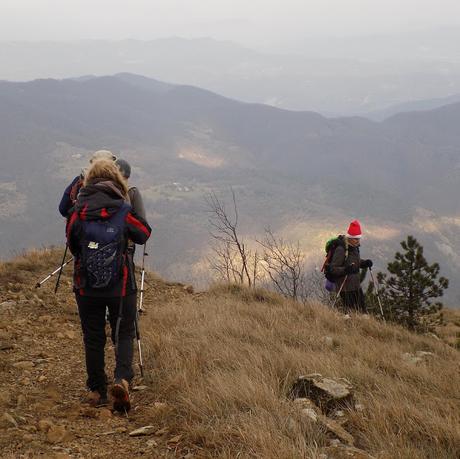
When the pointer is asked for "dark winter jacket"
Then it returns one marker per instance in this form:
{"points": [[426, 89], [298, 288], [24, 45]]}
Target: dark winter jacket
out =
{"points": [[100, 201], [70, 196], [136, 202], [346, 256]]}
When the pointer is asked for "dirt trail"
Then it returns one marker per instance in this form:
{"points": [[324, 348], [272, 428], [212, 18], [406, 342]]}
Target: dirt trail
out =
{"points": [[43, 382]]}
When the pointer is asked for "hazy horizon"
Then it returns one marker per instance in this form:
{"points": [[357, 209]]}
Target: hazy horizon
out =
{"points": [[259, 24]]}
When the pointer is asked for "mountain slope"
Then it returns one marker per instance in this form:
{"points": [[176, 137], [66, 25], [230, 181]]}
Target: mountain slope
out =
{"points": [[297, 172], [219, 367]]}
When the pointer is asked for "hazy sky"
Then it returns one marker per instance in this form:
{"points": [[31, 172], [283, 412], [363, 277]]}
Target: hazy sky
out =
{"points": [[244, 21]]}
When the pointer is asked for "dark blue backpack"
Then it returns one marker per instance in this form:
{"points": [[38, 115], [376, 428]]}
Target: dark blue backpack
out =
{"points": [[103, 250]]}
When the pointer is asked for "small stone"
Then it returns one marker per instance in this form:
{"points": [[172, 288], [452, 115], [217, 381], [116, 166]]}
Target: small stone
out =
{"points": [[44, 425], [60, 335], [175, 439], [424, 354], [189, 288], [146, 430], [28, 437], [160, 406], [70, 334], [336, 429], [106, 434], [8, 421], [329, 342], [24, 365], [140, 388], [42, 378], [340, 451], [310, 413], [56, 434]]}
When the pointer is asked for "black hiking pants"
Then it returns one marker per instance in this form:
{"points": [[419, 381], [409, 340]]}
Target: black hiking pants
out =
{"points": [[92, 313], [354, 301]]}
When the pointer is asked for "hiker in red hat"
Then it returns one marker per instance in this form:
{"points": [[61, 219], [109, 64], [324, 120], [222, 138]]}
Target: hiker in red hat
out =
{"points": [[346, 266]]}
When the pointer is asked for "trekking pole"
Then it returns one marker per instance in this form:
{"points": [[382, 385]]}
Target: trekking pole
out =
{"points": [[141, 296], [377, 293], [60, 271], [340, 291], [139, 347], [49, 276]]}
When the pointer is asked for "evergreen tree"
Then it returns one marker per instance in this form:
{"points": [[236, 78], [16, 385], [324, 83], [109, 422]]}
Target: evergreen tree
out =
{"points": [[411, 286]]}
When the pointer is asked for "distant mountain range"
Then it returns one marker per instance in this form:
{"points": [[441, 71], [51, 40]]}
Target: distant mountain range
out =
{"points": [[302, 174], [317, 77]]}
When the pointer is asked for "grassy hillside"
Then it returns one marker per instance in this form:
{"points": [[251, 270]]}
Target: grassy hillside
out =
{"points": [[219, 368]]}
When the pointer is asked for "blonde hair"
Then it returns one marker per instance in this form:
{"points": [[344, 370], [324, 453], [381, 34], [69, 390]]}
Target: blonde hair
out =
{"points": [[106, 170]]}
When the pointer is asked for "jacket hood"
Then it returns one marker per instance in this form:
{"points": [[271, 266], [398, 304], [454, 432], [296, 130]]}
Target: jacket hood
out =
{"points": [[99, 200]]}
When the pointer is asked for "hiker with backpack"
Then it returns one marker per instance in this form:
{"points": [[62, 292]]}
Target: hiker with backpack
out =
{"points": [[345, 268], [98, 231], [69, 198]]}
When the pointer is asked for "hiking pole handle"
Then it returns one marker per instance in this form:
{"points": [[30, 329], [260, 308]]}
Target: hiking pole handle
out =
{"points": [[49, 276]]}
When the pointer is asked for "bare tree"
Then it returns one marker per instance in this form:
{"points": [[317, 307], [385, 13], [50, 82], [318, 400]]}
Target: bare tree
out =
{"points": [[284, 264], [314, 288], [232, 259]]}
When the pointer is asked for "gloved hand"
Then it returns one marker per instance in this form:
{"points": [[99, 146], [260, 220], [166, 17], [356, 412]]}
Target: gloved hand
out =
{"points": [[367, 264], [351, 269]]}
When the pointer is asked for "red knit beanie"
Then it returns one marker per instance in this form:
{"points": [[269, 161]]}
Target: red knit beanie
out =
{"points": [[354, 230]]}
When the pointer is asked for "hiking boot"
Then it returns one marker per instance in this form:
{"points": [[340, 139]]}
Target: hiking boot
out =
{"points": [[120, 394], [95, 399]]}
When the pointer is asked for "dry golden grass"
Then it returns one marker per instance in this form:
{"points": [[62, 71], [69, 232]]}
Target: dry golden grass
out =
{"points": [[224, 362], [449, 329]]}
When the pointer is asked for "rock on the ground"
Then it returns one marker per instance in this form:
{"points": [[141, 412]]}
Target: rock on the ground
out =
{"points": [[140, 388], [24, 365], [8, 421], [44, 425], [328, 394], [57, 434], [418, 357], [146, 430], [312, 413]]}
